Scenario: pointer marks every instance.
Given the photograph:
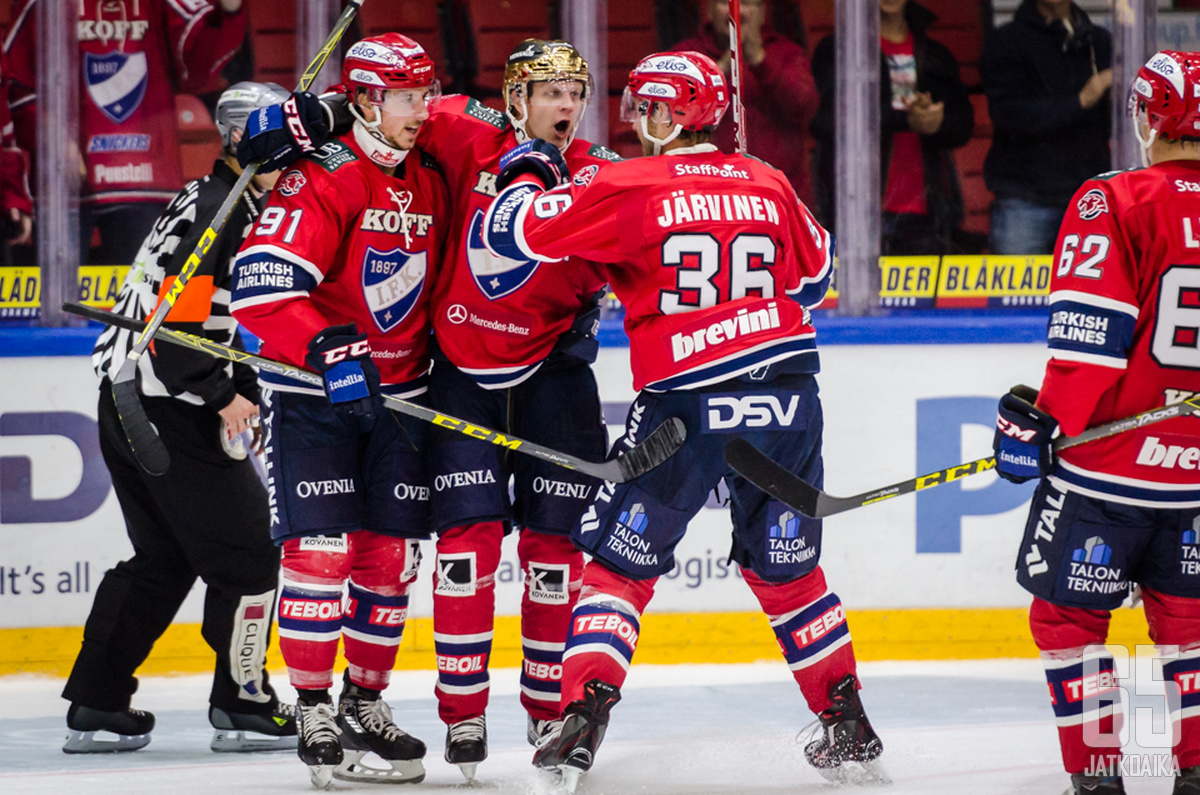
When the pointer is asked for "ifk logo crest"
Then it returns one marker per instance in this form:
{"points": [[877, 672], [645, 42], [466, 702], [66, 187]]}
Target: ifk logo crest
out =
{"points": [[1093, 551], [635, 518], [495, 276], [116, 82], [788, 527], [393, 281]]}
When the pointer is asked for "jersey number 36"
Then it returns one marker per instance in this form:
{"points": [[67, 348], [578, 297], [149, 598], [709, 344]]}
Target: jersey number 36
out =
{"points": [[700, 263]]}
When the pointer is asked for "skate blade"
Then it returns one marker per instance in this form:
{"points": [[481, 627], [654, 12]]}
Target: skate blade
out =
{"points": [[857, 774], [234, 741], [355, 767], [102, 742], [570, 778], [321, 776], [468, 770]]}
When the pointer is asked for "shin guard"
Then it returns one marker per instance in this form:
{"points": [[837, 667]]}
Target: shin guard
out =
{"points": [[553, 570], [1175, 621], [372, 628], [382, 569], [1082, 682], [464, 601], [310, 608], [605, 626], [810, 626]]}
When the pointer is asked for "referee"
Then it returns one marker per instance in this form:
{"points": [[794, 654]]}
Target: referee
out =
{"points": [[208, 515]]}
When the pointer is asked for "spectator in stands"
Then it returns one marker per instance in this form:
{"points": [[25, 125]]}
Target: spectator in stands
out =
{"points": [[16, 205], [133, 58], [925, 114], [778, 90], [1047, 75]]}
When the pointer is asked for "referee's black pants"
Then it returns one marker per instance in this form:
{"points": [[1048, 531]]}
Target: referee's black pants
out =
{"points": [[207, 516]]}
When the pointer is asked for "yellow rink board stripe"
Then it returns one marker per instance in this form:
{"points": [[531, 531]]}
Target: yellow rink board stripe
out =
{"points": [[666, 638]]}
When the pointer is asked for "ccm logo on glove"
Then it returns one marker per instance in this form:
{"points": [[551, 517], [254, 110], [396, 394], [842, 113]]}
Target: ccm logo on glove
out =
{"points": [[354, 350]]}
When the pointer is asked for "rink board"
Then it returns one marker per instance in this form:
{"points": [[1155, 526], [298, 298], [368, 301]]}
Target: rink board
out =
{"points": [[923, 577]]}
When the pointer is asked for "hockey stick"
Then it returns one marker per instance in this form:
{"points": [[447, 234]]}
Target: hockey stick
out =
{"points": [[775, 480], [143, 438], [735, 74], [656, 448]]}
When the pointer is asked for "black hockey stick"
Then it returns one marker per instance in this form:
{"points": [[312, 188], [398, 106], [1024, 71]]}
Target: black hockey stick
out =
{"points": [[147, 447], [656, 448], [756, 467]]}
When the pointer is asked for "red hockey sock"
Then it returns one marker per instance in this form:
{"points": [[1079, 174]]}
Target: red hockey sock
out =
{"points": [[464, 601], [553, 570], [1083, 688], [382, 569], [1175, 621], [605, 625], [310, 608], [810, 626]]}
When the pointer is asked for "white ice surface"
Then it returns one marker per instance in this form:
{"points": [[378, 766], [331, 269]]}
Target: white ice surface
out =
{"points": [[947, 727]]}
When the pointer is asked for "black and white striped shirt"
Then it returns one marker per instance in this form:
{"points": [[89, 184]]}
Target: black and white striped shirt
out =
{"points": [[202, 307]]}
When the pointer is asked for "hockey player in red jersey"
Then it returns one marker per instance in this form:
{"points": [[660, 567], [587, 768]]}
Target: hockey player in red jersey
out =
{"points": [[514, 343], [336, 277], [134, 56], [1124, 320], [716, 260]]}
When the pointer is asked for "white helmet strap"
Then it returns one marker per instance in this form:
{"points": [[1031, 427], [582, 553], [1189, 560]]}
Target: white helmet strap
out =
{"points": [[659, 143], [1144, 143], [515, 95]]}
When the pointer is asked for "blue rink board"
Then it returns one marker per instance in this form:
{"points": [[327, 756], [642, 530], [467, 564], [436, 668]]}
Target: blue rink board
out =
{"points": [[933, 327]]}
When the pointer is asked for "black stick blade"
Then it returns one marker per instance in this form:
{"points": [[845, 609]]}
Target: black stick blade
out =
{"points": [[656, 448], [147, 447], [765, 474]]}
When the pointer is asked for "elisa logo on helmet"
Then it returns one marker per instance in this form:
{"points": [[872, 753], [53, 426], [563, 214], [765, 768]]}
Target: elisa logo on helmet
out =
{"points": [[369, 52], [670, 64], [366, 77], [1167, 67], [658, 90]]}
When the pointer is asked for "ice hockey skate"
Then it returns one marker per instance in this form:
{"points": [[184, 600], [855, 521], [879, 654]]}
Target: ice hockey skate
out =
{"points": [[319, 744], [366, 724], [1100, 785], [537, 730], [243, 732], [466, 745], [846, 749], [1187, 781], [573, 749], [94, 731]]}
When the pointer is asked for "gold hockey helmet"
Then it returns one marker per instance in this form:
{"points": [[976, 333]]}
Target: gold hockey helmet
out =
{"points": [[541, 60]]}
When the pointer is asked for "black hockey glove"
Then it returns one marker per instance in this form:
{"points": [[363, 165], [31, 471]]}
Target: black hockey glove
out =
{"points": [[279, 135], [1023, 436], [343, 358], [536, 157]]}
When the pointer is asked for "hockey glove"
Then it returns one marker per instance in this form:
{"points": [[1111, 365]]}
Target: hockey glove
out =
{"points": [[279, 135], [537, 158], [1023, 436], [343, 358]]}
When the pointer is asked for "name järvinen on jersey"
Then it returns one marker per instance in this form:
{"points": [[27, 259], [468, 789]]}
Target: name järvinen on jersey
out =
{"points": [[687, 208]]}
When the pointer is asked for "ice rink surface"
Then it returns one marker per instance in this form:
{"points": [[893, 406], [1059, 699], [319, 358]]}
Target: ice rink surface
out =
{"points": [[947, 727]]}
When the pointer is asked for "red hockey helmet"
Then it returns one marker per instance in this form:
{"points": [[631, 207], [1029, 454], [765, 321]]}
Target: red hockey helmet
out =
{"points": [[387, 62], [1166, 96], [689, 84]]}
